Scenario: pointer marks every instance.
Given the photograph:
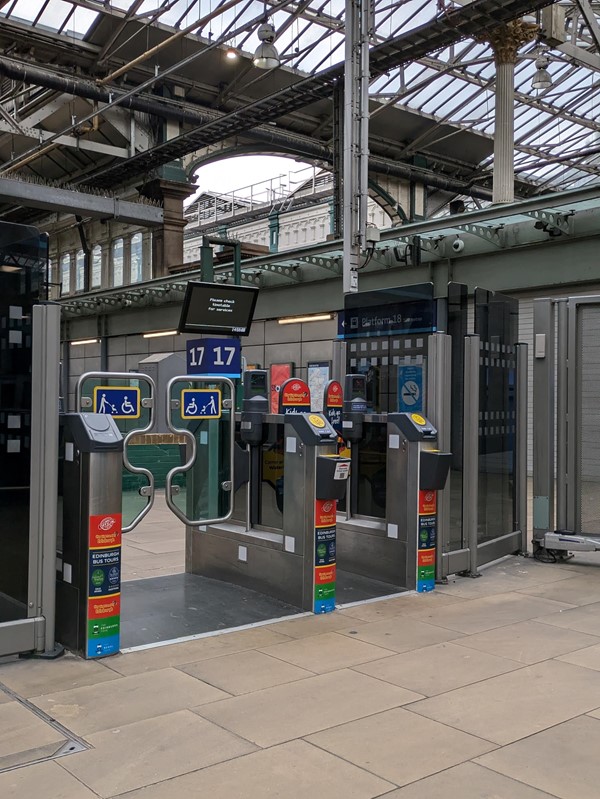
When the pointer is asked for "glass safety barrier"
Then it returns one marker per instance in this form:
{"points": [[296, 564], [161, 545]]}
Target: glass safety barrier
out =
{"points": [[200, 409], [129, 397]]}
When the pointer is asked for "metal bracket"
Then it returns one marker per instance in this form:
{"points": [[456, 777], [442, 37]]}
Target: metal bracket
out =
{"points": [[226, 485], [146, 491], [175, 404], [493, 234], [86, 402], [227, 404], [175, 490], [554, 224], [148, 402]]}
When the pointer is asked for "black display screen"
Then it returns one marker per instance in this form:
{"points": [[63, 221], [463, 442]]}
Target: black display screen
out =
{"points": [[217, 308]]}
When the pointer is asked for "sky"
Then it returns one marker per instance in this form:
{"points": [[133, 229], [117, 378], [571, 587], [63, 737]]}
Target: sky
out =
{"points": [[237, 173]]}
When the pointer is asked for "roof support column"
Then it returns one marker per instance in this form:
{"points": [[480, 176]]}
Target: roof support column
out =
{"points": [[167, 241], [506, 41], [356, 139]]}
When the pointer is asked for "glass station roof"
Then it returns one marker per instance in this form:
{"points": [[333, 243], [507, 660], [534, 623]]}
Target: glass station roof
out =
{"points": [[557, 129]]}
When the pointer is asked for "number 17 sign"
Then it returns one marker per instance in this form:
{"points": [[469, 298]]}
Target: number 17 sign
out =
{"points": [[217, 357]]}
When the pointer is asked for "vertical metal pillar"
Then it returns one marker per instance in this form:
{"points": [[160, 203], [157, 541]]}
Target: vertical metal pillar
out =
{"points": [[44, 468], [543, 418], [338, 148], [356, 139], [439, 390], [573, 382], [471, 449], [561, 414], [522, 392], [206, 261]]}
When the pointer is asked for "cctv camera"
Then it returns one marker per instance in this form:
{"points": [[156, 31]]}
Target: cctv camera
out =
{"points": [[458, 245]]}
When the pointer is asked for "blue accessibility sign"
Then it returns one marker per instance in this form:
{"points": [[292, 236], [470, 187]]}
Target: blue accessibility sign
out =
{"points": [[200, 403], [120, 402]]}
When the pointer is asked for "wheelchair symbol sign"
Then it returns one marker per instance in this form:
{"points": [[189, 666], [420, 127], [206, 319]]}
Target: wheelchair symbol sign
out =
{"points": [[200, 403], [120, 402]]}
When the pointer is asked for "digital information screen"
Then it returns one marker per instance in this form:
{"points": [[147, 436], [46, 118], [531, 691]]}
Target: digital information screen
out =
{"points": [[217, 308]]}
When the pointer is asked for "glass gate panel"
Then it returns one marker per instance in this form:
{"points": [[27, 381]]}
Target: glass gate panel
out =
{"points": [[457, 328], [587, 375], [129, 399], [201, 409], [496, 323]]}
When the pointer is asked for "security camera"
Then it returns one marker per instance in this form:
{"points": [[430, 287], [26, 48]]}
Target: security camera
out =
{"points": [[458, 245]]}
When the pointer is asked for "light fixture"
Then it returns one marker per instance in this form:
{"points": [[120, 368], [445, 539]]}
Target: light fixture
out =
{"points": [[318, 317], [266, 55], [160, 333], [542, 78], [81, 341], [232, 53]]}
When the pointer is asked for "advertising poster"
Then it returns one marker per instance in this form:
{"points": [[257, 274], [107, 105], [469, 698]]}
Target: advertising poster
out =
{"points": [[318, 377], [278, 374]]}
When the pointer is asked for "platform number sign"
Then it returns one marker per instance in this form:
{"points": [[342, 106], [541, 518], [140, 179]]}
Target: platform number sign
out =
{"points": [[216, 357]]}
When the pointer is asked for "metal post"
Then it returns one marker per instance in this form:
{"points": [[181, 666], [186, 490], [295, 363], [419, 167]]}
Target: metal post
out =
{"points": [[543, 418], [356, 139], [438, 398], [44, 464], [237, 263], [561, 415], [521, 424], [206, 261], [471, 449]]}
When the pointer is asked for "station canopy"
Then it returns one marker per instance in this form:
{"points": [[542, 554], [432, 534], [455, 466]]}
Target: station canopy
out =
{"points": [[83, 83]]}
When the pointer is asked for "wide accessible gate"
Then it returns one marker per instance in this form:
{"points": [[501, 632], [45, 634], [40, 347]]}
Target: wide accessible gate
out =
{"points": [[566, 425]]}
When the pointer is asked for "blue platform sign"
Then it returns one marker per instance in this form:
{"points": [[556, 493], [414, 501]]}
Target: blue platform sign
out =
{"points": [[120, 402], [216, 357], [200, 403], [410, 389]]}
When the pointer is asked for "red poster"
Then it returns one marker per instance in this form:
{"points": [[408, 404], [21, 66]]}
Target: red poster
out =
{"points": [[427, 503], [325, 512], [278, 374], [324, 574], [105, 530], [335, 396], [426, 557], [294, 393], [104, 606]]}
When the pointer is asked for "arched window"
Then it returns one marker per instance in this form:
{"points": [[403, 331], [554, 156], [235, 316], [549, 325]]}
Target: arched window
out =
{"points": [[65, 273], [136, 258], [79, 270], [117, 262], [96, 278]]}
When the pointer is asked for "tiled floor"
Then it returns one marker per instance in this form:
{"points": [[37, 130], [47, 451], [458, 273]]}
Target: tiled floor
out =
{"points": [[484, 689]]}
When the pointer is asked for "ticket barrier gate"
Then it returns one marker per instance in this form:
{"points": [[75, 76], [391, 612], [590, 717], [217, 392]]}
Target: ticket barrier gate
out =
{"points": [[398, 546], [289, 550], [113, 408]]}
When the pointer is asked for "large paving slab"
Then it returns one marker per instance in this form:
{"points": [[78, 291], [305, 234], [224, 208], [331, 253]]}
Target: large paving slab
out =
{"points": [[520, 703], [512, 574], [123, 701], [590, 657], [36, 677], [403, 605], [192, 651], [294, 770], [42, 781], [576, 590], [437, 669], [468, 781], [24, 736], [326, 652], [373, 744], [562, 761], [585, 619], [244, 672], [490, 612], [528, 642], [151, 751], [314, 625], [401, 633], [290, 711]]}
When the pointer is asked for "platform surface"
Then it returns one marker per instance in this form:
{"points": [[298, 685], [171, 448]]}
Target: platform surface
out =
{"points": [[483, 688]]}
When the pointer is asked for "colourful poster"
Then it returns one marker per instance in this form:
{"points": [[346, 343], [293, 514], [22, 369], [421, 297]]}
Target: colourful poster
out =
{"points": [[103, 607], [294, 396], [105, 530], [325, 546], [104, 572], [427, 532], [325, 512], [427, 503], [278, 374]]}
